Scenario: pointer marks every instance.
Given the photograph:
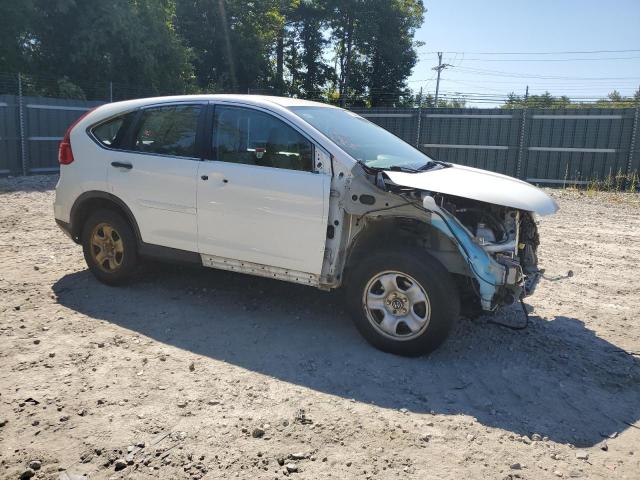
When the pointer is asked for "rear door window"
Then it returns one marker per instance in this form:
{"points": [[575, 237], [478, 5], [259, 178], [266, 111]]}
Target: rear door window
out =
{"points": [[169, 130]]}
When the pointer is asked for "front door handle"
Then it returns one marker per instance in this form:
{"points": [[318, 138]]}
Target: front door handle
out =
{"points": [[204, 177], [128, 166]]}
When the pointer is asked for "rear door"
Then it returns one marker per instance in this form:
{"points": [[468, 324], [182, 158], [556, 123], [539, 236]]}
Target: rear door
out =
{"points": [[259, 197], [156, 175]]}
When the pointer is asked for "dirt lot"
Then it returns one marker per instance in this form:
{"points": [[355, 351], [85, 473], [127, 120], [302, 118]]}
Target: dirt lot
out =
{"points": [[194, 373]]}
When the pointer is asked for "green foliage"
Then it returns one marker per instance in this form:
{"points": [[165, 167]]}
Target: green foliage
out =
{"points": [[15, 22], [546, 100], [132, 41], [308, 71], [374, 47], [67, 89], [337, 50], [231, 42], [429, 102], [615, 100]]}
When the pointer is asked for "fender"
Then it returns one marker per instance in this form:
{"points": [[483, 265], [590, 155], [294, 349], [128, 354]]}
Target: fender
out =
{"points": [[77, 207]]}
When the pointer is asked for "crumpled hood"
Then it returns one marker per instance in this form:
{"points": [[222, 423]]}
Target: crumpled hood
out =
{"points": [[481, 185]]}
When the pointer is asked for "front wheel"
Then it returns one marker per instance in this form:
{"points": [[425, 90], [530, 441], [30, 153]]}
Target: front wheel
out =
{"points": [[403, 303]]}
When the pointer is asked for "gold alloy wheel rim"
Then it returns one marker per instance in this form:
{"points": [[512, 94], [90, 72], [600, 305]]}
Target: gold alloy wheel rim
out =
{"points": [[107, 249]]}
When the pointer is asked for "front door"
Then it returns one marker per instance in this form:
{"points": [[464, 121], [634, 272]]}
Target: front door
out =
{"points": [[259, 199], [156, 177]]}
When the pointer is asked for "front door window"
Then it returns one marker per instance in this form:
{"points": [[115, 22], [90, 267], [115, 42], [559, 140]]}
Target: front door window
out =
{"points": [[251, 137]]}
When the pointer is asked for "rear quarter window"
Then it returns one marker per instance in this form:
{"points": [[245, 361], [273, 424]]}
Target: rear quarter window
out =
{"points": [[111, 132]]}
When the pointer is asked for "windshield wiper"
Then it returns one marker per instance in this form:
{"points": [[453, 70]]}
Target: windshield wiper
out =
{"points": [[433, 164], [398, 168]]}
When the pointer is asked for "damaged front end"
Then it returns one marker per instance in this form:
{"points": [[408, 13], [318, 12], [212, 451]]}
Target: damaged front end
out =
{"points": [[489, 220], [498, 243]]}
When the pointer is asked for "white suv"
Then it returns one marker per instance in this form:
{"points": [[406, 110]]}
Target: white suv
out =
{"points": [[302, 192]]}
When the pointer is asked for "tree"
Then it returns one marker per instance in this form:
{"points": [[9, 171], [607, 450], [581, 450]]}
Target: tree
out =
{"points": [[15, 23], [308, 70], [231, 43], [616, 100], [546, 100], [429, 102], [389, 47], [75, 47], [374, 47], [91, 42], [344, 20]]}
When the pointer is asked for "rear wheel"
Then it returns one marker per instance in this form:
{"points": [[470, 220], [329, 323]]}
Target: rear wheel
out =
{"points": [[109, 247], [403, 303]]}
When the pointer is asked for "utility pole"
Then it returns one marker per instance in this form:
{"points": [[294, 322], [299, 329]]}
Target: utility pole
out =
{"points": [[521, 150], [441, 66]]}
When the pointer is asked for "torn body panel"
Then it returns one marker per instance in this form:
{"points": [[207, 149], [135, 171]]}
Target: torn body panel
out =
{"points": [[472, 239]]}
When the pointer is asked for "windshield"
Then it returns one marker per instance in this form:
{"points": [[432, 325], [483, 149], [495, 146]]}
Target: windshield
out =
{"points": [[363, 140]]}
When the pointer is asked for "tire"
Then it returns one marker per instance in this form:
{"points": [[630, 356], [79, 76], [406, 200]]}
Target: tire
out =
{"points": [[120, 247], [435, 316]]}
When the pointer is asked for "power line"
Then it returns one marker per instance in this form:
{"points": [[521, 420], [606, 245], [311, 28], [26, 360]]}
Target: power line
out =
{"points": [[549, 59], [502, 73], [540, 53]]}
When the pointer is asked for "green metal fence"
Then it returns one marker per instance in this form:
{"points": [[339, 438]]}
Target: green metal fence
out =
{"points": [[31, 129], [568, 146], [573, 146]]}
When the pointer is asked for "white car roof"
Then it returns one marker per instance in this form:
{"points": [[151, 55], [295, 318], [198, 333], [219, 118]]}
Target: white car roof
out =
{"points": [[257, 100]]}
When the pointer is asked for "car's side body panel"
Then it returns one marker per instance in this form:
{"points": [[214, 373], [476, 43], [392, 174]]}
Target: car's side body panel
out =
{"points": [[263, 215], [161, 193], [81, 176]]}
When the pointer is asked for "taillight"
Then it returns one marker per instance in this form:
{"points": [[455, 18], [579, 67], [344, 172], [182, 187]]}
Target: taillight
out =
{"points": [[65, 154]]}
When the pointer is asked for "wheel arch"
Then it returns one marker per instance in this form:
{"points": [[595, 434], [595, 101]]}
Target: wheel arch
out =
{"points": [[91, 200], [403, 232]]}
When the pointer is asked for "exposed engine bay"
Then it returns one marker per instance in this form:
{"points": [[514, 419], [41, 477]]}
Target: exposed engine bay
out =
{"points": [[507, 235]]}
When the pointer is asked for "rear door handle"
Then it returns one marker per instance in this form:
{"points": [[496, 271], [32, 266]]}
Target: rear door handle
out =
{"points": [[128, 166]]}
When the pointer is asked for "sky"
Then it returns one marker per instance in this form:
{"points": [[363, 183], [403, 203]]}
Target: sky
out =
{"points": [[477, 35]]}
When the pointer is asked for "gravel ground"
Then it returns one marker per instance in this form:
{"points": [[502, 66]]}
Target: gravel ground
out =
{"points": [[194, 373]]}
